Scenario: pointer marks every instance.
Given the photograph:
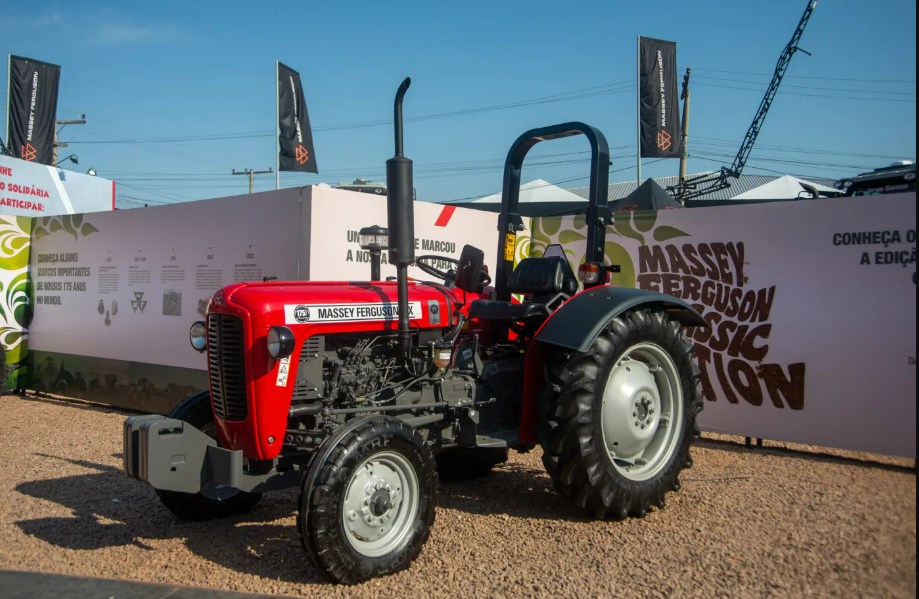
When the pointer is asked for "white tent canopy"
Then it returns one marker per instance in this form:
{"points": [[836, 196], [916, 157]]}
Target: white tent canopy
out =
{"points": [[785, 187], [534, 192]]}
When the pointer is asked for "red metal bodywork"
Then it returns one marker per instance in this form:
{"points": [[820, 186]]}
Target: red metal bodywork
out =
{"points": [[263, 305]]}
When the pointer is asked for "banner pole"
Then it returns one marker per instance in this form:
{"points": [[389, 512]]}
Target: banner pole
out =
{"points": [[638, 107], [277, 119], [9, 75]]}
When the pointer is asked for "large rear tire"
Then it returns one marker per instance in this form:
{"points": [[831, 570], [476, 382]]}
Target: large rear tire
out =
{"points": [[368, 502], [617, 420], [213, 501]]}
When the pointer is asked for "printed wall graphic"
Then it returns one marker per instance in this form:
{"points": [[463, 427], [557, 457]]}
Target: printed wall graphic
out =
{"points": [[811, 332], [29, 189], [439, 230], [812, 335], [132, 280], [116, 292], [15, 307]]}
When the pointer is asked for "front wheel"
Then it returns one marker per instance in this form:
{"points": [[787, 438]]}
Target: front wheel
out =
{"points": [[212, 501], [368, 502], [618, 419]]}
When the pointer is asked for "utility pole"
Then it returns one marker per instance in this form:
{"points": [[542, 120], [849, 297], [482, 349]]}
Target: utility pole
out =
{"points": [[252, 174], [684, 135], [61, 144]]}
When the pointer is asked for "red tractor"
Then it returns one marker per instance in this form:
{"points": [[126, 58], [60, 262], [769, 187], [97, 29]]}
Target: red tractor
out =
{"points": [[356, 391]]}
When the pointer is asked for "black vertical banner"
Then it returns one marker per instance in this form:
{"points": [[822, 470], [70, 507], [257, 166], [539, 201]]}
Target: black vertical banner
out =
{"points": [[659, 110], [295, 137], [32, 109]]}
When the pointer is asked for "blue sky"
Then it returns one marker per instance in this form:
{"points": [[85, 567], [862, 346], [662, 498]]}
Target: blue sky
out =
{"points": [[154, 78]]}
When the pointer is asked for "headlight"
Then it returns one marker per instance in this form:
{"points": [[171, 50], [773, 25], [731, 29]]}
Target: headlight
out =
{"points": [[197, 334], [280, 342]]}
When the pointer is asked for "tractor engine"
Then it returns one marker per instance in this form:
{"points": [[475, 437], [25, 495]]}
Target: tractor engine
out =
{"points": [[361, 371], [291, 362]]}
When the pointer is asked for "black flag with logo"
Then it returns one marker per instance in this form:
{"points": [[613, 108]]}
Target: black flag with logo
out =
{"points": [[32, 109], [659, 107], [295, 137]]}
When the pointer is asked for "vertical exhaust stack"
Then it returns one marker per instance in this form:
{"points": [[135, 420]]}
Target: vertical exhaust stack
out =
{"points": [[401, 217]]}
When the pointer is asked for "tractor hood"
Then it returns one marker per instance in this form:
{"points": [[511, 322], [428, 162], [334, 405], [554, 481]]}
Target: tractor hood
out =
{"points": [[336, 305]]}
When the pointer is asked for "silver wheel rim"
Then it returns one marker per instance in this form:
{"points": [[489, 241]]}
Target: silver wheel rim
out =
{"points": [[642, 412], [380, 504]]}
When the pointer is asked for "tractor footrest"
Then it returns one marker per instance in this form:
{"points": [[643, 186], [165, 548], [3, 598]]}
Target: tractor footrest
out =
{"points": [[483, 441], [498, 310]]}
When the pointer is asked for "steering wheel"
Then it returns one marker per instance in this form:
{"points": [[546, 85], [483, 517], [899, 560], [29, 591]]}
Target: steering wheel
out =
{"points": [[422, 262]]}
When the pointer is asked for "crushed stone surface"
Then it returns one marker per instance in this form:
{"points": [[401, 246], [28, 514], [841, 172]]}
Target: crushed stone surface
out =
{"points": [[777, 521]]}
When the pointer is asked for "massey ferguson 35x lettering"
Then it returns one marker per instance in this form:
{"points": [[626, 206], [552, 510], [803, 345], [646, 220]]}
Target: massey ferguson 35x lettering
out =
{"points": [[359, 392], [313, 313]]}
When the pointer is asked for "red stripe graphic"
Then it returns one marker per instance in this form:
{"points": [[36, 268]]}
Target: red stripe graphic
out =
{"points": [[445, 216]]}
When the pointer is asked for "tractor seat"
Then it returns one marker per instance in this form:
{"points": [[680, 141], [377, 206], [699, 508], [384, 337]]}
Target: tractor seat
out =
{"points": [[539, 279]]}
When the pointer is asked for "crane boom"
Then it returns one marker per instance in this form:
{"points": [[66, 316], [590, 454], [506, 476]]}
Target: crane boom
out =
{"points": [[713, 182]]}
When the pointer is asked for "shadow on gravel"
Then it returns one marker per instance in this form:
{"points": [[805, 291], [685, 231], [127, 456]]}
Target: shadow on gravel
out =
{"points": [[879, 462], [111, 509], [512, 489], [75, 403]]}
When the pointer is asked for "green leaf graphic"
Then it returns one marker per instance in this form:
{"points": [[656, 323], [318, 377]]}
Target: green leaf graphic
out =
{"points": [[11, 338], [87, 229], [15, 261], [624, 228], [566, 237], [616, 254], [550, 225], [67, 221], [18, 297], [55, 226], [665, 232], [644, 221]]}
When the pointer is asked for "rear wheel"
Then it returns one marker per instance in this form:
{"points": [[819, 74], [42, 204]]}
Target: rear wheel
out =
{"points": [[213, 501], [618, 419], [368, 502]]}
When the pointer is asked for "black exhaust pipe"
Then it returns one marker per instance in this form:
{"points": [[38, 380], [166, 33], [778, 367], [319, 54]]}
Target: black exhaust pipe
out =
{"points": [[401, 217]]}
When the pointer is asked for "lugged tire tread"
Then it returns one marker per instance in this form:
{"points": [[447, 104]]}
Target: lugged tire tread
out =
{"points": [[573, 454]]}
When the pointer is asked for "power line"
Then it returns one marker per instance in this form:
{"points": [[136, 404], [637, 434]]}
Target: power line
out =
{"points": [[829, 96], [913, 81], [835, 89], [560, 97]]}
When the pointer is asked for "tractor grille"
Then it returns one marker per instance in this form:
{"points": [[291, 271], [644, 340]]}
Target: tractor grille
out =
{"points": [[226, 366]]}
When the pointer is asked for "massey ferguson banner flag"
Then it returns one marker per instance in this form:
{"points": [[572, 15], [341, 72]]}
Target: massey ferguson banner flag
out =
{"points": [[32, 109], [296, 137], [659, 107]]}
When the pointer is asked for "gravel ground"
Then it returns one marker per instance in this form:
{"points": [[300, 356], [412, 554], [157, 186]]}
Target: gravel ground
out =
{"points": [[785, 521]]}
